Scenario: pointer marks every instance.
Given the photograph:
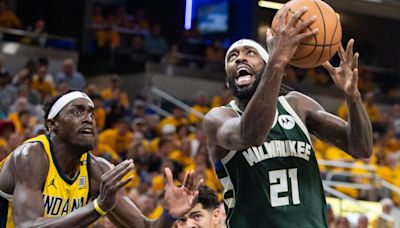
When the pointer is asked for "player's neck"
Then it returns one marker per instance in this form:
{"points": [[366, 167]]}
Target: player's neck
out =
{"points": [[241, 103], [67, 156]]}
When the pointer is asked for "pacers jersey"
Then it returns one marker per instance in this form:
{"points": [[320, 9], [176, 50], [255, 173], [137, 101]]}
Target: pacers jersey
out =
{"points": [[277, 184], [5, 206], [61, 195]]}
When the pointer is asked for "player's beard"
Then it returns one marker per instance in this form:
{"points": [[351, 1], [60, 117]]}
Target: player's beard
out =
{"points": [[246, 92]]}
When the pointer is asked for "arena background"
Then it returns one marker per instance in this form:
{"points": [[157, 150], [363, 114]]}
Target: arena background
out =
{"points": [[154, 68]]}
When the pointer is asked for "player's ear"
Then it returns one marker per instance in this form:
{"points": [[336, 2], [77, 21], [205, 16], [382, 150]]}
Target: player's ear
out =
{"points": [[51, 125], [227, 82], [215, 213]]}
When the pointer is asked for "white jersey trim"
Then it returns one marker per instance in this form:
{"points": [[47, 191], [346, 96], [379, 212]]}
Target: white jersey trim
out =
{"points": [[299, 122], [6, 195], [232, 153]]}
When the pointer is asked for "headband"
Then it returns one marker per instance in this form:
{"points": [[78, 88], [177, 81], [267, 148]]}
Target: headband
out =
{"points": [[66, 99], [247, 42]]}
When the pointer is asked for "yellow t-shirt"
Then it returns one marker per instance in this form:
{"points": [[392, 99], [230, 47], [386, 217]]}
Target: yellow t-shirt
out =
{"points": [[107, 94], [118, 142], [372, 110], [17, 123], [173, 121], [44, 88], [100, 117], [202, 109]]}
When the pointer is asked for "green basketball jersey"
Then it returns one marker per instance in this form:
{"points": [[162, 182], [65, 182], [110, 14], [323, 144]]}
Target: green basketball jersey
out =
{"points": [[277, 184]]}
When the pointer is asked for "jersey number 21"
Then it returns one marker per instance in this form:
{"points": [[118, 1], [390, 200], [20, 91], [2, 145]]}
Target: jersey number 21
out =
{"points": [[279, 184]]}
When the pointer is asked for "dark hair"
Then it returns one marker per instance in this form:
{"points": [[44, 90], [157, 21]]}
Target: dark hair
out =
{"points": [[43, 61], [22, 112], [208, 198], [96, 97], [50, 102]]}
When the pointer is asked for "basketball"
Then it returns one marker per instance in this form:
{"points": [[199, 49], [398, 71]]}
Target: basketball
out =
{"points": [[315, 50]]}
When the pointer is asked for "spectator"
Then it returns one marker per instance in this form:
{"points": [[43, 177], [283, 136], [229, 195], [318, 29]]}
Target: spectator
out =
{"points": [[200, 106], [44, 62], [38, 34], [138, 109], [7, 18], [146, 204], [106, 152], [7, 128], [3, 69], [7, 93], [214, 57], [41, 85], [177, 118], [118, 138], [182, 156], [222, 99], [25, 90], [91, 89], [155, 44], [69, 74], [21, 103], [372, 109], [385, 221], [395, 116], [99, 24], [331, 216], [342, 222], [99, 111], [115, 93], [141, 20], [362, 221], [173, 55]]}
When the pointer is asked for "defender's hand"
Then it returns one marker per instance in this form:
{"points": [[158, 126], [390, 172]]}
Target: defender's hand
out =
{"points": [[179, 201], [287, 37], [111, 183], [345, 75]]}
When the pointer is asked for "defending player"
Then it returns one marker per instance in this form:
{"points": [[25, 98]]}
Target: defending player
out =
{"points": [[56, 182]]}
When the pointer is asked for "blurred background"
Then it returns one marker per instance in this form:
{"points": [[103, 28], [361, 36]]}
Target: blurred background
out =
{"points": [[154, 68]]}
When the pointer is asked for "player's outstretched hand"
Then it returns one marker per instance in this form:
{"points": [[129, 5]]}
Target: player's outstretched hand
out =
{"points": [[345, 75], [288, 35], [111, 183], [180, 200]]}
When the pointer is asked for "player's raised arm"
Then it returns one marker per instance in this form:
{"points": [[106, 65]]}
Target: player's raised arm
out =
{"points": [[255, 84], [355, 135], [177, 202], [31, 170]]}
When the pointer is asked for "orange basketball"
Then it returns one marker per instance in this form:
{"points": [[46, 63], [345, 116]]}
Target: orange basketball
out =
{"points": [[314, 51]]}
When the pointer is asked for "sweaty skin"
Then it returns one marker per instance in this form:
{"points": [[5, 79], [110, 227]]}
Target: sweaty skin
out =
{"points": [[227, 131]]}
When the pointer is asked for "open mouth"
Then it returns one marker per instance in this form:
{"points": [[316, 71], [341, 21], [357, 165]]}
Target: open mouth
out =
{"points": [[243, 77], [87, 131]]}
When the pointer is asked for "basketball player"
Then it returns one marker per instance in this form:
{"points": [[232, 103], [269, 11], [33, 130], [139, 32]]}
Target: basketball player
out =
{"points": [[260, 142], [56, 182], [205, 213]]}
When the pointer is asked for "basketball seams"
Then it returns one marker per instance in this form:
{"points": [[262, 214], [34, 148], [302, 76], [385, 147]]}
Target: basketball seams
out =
{"points": [[333, 36], [313, 51], [320, 45], [315, 41], [323, 22]]}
